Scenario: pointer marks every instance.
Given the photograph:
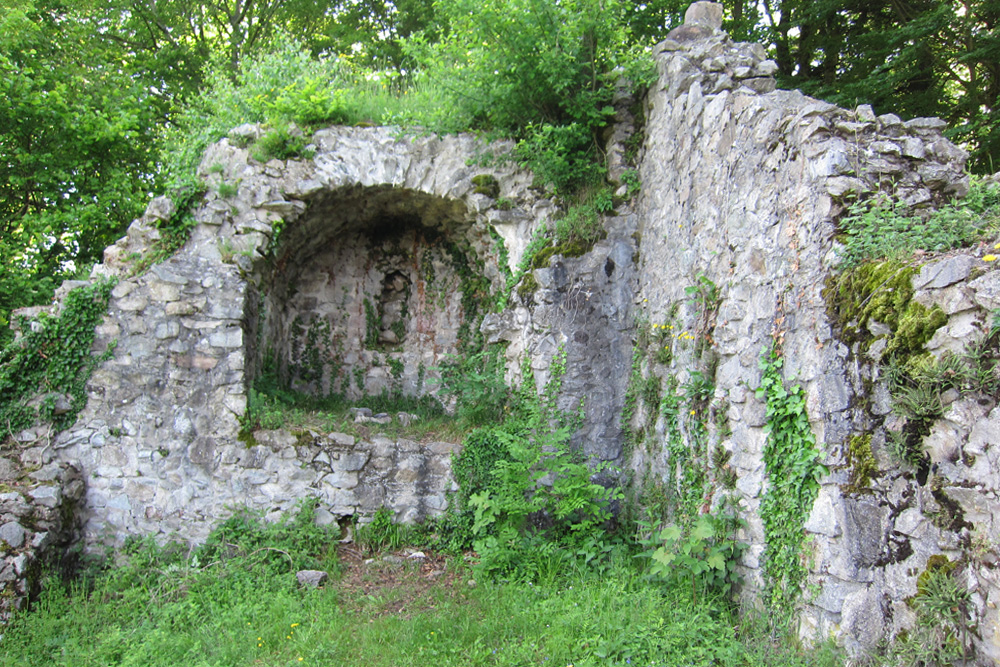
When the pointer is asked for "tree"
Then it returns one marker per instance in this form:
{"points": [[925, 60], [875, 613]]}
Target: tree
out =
{"points": [[909, 57], [77, 150]]}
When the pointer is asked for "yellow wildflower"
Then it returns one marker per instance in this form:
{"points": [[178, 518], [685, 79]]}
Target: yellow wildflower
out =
{"points": [[989, 258], [295, 625]]}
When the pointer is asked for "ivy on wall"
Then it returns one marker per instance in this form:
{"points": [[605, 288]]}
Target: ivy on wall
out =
{"points": [[43, 375], [793, 470]]}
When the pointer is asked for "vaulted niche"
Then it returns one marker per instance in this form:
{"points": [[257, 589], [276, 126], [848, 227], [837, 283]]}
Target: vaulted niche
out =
{"points": [[366, 293]]}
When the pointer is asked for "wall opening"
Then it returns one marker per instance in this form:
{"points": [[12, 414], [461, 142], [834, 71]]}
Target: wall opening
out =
{"points": [[365, 294]]}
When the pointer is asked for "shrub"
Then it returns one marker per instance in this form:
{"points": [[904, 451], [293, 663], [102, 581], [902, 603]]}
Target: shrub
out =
{"points": [[280, 85], [281, 143], [540, 71], [881, 229]]}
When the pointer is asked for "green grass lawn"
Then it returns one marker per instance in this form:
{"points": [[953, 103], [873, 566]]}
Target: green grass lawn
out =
{"points": [[157, 609]]}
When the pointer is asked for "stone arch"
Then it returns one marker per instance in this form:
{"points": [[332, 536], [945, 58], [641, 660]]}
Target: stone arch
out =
{"points": [[367, 292], [160, 440]]}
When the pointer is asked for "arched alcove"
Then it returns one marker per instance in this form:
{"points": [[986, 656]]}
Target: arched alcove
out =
{"points": [[367, 293]]}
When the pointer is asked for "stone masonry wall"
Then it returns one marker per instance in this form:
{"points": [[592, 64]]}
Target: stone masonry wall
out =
{"points": [[742, 185], [159, 442], [725, 253]]}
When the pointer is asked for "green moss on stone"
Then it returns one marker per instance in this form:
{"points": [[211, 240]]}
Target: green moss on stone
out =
{"points": [[528, 285], [246, 437], [861, 461], [573, 248], [486, 185], [881, 292], [916, 326]]}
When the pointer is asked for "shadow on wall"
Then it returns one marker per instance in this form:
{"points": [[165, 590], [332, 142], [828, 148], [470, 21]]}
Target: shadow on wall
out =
{"points": [[368, 293]]}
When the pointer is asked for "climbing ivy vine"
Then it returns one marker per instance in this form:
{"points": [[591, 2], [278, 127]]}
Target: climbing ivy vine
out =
{"points": [[793, 469], [52, 362]]}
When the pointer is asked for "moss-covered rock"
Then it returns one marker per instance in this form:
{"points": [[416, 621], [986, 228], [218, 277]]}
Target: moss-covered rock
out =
{"points": [[864, 296], [861, 462], [486, 185]]}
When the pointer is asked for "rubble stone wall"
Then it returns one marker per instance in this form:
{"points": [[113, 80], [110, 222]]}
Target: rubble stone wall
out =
{"points": [[725, 254], [742, 185]]}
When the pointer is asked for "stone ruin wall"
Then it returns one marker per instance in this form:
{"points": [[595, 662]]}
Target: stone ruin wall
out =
{"points": [[159, 442], [741, 186]]}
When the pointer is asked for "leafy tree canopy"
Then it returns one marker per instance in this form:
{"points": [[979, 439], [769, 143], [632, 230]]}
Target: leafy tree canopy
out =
{"points": [[93, 93]]}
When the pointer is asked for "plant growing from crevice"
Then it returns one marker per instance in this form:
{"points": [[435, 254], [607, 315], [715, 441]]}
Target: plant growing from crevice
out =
{"points": [[280, 143], [881, 228], [227, 190], [944, 628], [793, 470]]}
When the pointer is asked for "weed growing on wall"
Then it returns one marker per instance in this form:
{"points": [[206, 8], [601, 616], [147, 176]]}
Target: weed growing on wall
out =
{"points": [[527, 503], [943, 632], [791, 461], [52, 360], [881, 228]]}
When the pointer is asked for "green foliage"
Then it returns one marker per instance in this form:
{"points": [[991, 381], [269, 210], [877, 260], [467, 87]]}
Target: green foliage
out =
{"points": [[52, 358], [78, 131], [280, 85], [382, 532], [540, 71], [880, 229], [706, 555], [168, 611], [582, 226], [280, 548], [533, 500], [476, 382], [227, 190], [174, 232], [225, 603], [882, 292], [280, 143], [630, 178], [560, 156], [944, 628], [793, 469], [904, 449]]}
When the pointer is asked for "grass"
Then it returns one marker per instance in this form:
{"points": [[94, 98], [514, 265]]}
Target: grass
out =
{"points": [[271, 407], [379, 613]]}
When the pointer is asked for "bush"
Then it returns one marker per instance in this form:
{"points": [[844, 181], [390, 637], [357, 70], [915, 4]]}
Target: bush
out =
{"points": [[281, 85], [881, 229], [476, 383], [540, 71]]}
